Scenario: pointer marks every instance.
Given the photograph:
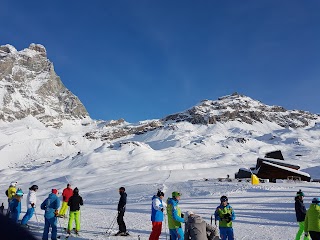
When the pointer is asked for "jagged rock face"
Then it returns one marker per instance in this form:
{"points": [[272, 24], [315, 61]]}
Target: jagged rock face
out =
{"points": [[119, 128], [237, 107], [30, 86]]}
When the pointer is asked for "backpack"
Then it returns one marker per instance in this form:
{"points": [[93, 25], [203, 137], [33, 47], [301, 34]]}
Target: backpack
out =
{"points": [[7, 192]]}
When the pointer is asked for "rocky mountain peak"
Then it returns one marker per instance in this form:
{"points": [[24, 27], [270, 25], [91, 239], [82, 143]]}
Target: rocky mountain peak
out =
{"points": [[30, 86], [237, 107]]}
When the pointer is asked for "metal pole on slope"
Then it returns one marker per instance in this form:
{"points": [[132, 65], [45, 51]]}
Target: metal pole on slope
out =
{"points": [[165, 226], [108, 232], [35, 213]]}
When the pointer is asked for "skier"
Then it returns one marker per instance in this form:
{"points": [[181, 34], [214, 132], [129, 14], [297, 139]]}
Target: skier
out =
{"points": [[300, 214], [51, 205], [197, 229], [66, 194], [74, 202], [31, 204], [225, 214], [312, 220], [175, 218], [157, 207], [121, 210], [15, 206], [10, 192]]}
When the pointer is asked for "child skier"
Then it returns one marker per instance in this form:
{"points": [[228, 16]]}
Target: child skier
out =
{"points": [[225, 214], [74, 202]]}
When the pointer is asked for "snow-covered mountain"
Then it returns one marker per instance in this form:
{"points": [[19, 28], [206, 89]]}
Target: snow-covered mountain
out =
{"points": [[236, 107], [47, 138], [30, 86]]}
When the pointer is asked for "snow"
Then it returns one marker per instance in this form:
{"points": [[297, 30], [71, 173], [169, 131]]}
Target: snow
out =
{"points": [[178, 157]]}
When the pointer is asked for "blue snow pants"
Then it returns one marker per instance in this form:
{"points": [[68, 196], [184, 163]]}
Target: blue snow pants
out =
{"points": [[176, 234], [51, 222], [226, 233], [27, 217]]}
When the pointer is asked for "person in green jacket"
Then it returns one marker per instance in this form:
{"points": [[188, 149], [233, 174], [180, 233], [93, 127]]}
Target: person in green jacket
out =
{"points": [[175, 217], [312, 220]]}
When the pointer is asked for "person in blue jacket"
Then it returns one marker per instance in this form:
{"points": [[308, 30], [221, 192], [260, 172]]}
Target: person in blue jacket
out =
{"points": [[157, 207], [15, 206], [51, 206]]}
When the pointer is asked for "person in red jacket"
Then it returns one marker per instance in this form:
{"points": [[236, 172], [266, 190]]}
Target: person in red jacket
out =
{"points": [[66, 194]]}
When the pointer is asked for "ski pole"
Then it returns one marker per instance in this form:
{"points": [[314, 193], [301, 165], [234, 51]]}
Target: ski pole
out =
{"points": [[35, 213], [60, 226], [111, 225], [165, 225]]}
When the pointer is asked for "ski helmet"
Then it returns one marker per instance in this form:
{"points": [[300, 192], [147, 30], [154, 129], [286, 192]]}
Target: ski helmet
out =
{"points": [[224, 199], [19, 192], [34, 187], [76, 191], [160, 193], [122, 189], [13, 184], [176, 194], [316, 200]]}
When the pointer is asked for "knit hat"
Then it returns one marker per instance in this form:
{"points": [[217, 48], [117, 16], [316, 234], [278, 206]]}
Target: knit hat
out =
{"points": [[122, 189], [300, 193], [54, 191], [176, 194], [188, 213]]}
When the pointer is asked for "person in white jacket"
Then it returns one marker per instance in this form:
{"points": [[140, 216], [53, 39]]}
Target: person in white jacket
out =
{"points": [[31, 204]]}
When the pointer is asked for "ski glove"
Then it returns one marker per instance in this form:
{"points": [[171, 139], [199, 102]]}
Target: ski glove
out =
{"points": [[56, 212], [161, 209], [32, 205], [306, 234]]}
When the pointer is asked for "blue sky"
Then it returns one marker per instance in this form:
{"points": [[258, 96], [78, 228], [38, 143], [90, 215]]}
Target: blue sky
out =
{"points": [[147, 59]]}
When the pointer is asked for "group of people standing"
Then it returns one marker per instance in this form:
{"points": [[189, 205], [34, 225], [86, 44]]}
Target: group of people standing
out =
{"points": [[309, 221], [50, 205], [195, 227]]}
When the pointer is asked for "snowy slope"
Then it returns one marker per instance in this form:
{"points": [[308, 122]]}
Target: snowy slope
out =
{"points": [[60, 144]]}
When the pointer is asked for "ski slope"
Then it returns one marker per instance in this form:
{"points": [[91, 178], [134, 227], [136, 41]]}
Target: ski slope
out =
{"points": [[176, 158], [262, 212]]}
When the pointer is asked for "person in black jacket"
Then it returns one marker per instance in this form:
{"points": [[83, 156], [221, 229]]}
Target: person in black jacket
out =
{"points": [[300, 214], [121, 209], [74, 202]]}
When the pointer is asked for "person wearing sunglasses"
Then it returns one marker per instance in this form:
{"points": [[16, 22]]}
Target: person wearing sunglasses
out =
{"points": [[225, 215]]}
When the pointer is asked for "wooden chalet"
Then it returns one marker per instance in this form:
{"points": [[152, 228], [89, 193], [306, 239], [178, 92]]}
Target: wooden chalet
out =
{"points": [[272, 169]]}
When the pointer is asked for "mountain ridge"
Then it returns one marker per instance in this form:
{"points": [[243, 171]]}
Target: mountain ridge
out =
{"points": [[30, 86]]}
